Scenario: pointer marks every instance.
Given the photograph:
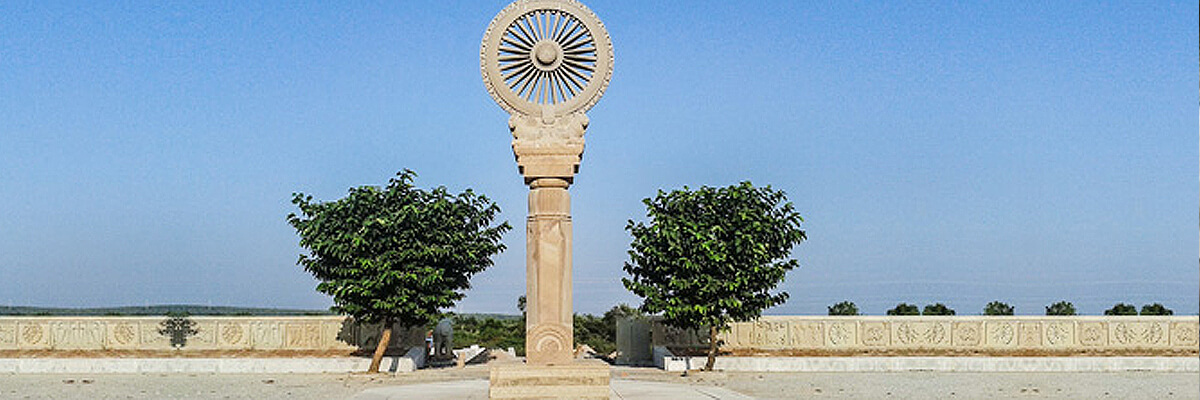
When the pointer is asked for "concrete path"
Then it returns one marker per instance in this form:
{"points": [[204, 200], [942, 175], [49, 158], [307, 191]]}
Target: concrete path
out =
{"points": [[621, 389]]}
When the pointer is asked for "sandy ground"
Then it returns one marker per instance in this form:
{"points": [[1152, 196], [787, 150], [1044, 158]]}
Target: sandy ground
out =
{"points": [[907, 385]]}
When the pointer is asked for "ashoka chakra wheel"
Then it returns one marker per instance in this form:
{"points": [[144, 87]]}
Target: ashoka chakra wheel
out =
{"points": [[546, 55]]}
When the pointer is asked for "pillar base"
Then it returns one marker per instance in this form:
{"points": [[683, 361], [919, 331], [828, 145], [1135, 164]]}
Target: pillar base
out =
{"points": [[580, 379]]}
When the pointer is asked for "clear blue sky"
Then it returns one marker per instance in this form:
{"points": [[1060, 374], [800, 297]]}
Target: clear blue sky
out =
{"points": [[960, 153]]}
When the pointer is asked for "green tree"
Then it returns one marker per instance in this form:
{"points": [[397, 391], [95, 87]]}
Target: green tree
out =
{"points": [[1121, 309], [1156, 309], [844, 308], [1061, 308], [490, 332], [712, 256], [937, 309], [397, 254], [178, 327], [997, 308], [904, 309]]}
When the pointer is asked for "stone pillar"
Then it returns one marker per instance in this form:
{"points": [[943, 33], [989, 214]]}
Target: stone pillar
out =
{"points": [[548, 151], [549, 317], [547, 62]]}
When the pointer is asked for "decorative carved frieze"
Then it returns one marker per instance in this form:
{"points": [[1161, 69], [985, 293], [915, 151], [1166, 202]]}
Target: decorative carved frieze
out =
{"points": [[959, 333], [213, 333]]}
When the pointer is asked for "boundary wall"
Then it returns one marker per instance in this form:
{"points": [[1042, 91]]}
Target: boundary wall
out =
{"points": [[950, 335], [315, 333]]}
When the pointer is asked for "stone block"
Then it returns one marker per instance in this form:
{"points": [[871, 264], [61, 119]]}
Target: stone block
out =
{"points": [[581, 379], [633, 342]]}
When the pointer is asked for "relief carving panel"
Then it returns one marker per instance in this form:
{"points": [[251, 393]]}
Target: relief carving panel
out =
{"points": [[1001, 333], [8, 336], [805, 335], [266, 335], [33, 335], [1137, 334], [1093, 334], [968, 333], [1060, 334], [842, 334], [1030, 334], [304, 336], [123, 335], [921, 334], [875, 334], [1184, 334], [77, 335]]}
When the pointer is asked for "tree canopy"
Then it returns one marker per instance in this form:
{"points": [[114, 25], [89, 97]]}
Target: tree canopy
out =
{"points": [[844, 308], [712, 256], [998, 308], [904, 309], [399, 253], [1061, 308]]}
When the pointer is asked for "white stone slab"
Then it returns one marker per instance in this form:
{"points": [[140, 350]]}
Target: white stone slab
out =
{"points": [[938, 364], [198, 365]]}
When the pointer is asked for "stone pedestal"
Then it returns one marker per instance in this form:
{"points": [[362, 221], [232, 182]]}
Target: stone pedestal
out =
{"points": [[579, 379]]}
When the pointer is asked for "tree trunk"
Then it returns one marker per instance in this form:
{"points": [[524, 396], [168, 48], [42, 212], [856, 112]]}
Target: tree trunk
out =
{"points": [[712, 348], [384, 340]]}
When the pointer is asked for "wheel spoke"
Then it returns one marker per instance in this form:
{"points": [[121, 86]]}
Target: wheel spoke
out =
{"points": [[521, 66], [571, 79], [563, 86], [567, 29], [585, 79], [563, 20], [573, 38], [527, 23], [541, 18], [513, 50], [521, 77], [579, 44], [511, 66], [542, 88], [516, 44], [524, 32], [582, 66], [580, 58], [528, 79], [580, 51], [513, 33]]}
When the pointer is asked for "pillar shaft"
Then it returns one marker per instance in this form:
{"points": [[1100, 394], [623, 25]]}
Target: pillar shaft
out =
{"points": [[549, 315]]}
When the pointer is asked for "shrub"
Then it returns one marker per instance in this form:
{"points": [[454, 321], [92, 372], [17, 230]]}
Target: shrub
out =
{"points": [[997, 308], [904, 309], [937, 309], [1061, 308], [1156, 309], [1121, 309], [178, 327], [844, 308]]}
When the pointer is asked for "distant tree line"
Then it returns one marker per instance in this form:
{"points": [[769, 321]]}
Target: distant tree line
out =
{"points": [[157, 310], [1000, 308]]}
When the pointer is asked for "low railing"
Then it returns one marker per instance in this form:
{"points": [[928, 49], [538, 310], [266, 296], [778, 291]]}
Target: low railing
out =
{"points": [[316, 333], [952, 335]]}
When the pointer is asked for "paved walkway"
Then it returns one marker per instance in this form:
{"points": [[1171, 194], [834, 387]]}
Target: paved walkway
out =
{"points": [[621, 389]]}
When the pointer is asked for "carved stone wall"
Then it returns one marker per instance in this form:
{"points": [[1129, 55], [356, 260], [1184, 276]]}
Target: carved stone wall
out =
{"points": [[955, 334], [214, 333]]}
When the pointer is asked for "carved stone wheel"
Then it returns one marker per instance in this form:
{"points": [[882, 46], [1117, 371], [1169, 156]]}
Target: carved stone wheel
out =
{"points": [[543, 57]]}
